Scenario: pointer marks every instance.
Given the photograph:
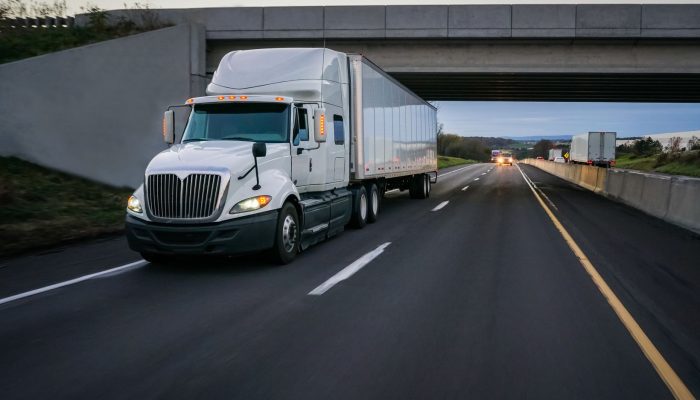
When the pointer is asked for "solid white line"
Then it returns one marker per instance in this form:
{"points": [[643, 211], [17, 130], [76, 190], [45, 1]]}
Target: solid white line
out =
{"points": [[349, 271], [452, 172], [465, 188], [391, 191], [440, 206], [476, 179], [71, 282]]}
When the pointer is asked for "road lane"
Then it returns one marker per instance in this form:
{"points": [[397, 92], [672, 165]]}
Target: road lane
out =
{"points": [[650, 264], [481, 299]]}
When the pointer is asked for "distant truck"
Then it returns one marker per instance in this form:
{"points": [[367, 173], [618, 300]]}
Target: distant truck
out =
{"points": [[505, 157], [494, 155], [287, 148], [593, 148], [554, 153]]}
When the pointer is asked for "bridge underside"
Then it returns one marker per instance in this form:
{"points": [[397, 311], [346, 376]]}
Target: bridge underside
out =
{"points": [[554, 87], [521, 70]]}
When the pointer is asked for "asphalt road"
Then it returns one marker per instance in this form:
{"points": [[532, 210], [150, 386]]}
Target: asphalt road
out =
{"points": [[481, 298]]}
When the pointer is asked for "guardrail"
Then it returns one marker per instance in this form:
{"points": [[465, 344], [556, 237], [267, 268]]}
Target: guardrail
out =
{"points": [[40, 22], [675, 199]]}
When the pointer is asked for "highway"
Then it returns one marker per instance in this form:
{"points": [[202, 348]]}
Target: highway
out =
{"points": [[472, 293]]}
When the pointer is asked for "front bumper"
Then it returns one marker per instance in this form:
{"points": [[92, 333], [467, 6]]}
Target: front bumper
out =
{"points": [[241, 235]]}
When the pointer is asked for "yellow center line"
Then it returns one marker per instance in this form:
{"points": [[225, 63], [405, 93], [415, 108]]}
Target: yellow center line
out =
{"points": [[662, 367]]}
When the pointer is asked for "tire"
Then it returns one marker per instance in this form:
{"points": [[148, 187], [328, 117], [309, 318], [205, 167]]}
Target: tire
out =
{"points": [[358, 220], [428, 186], [155, 258], [287, 236], [373, 202], [420, 187]]}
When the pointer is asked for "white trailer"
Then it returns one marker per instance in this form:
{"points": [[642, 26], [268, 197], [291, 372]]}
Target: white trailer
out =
{"points": [[554, 153], [593, 148], [325, 133]]}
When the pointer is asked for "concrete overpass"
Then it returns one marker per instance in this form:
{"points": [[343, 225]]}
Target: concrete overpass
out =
{"points": [[640, 53]]}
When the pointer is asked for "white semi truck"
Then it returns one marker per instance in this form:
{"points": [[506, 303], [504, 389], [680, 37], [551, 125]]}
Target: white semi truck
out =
{"points": [[288, 147], [554, 153], [593, 148]]}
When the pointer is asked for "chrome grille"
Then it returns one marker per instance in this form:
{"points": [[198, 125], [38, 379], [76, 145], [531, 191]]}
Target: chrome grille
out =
{"points": [[194, 197]]}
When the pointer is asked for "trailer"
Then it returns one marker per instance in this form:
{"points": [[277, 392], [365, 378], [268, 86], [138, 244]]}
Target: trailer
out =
{"points": [[554, 153], [288, 147], [593, 148]]}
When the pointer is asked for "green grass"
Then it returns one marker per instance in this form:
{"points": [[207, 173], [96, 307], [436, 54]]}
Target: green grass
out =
{"points": [[41, 207], [640, 163], [685, 163], [444, 161]]}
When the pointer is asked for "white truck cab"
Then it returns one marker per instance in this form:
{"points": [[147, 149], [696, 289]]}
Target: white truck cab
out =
{"points": [[264, 161]]}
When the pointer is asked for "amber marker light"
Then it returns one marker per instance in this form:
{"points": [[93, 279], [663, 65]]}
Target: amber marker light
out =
{"points": [[322, 124], [279, 98], [244, 97]]}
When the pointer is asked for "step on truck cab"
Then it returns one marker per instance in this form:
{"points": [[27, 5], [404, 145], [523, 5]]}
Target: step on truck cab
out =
{"points": [[287, 148]]}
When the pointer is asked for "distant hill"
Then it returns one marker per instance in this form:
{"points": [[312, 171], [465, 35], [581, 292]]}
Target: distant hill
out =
{"points": [[536, 138]]}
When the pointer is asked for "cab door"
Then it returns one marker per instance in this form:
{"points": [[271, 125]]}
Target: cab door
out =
{"points": [[302, 159]]}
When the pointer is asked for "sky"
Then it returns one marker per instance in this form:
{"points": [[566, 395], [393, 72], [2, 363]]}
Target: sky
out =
{"points": [[498, 118]]}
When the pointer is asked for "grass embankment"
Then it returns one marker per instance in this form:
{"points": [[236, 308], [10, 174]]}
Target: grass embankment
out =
{"points": [[444, 161], [683, 163], [41, 207]]}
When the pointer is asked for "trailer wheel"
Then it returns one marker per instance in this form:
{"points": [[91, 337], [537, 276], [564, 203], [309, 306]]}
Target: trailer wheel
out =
{"points": [[428, 186], [359, 208], [287, 236], [373, 202], [420, 187]]}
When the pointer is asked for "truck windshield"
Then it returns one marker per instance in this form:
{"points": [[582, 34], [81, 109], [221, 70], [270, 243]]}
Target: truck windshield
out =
{"points": [[253, 122]]}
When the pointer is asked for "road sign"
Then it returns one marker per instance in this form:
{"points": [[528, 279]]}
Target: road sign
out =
{"points": [[566, 155]]}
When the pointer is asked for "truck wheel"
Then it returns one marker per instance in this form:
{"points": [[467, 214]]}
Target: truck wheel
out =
{"points": [[420, 186], [359, 208], [287, 236], [428, 186], [373, 202]]}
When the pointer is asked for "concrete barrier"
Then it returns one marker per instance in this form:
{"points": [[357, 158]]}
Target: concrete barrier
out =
{"points": [[674, 199], [684, 203], [95, 111]]}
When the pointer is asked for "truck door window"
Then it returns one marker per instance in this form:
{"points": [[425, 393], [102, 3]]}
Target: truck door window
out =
{"points": [[301, 126], [338, 129]]}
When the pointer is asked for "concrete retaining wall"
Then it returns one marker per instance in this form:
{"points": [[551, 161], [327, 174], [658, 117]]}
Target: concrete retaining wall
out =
{"points": [[95, 111], [674, 199]]}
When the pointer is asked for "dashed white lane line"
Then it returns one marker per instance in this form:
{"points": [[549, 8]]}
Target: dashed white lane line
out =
{"points": [[452, 172], [349, 271], [440, 206], [476, 179], [73, 281], [464, 189], [484, 173]]}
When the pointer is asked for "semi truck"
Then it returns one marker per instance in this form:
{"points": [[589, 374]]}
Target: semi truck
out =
{"points": [[287, 147], [554, 153], [593, 148]]}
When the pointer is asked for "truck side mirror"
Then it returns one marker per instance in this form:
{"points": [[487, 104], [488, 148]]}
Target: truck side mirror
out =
{"points": [[169, 127], [320, 125], [259, 149]]}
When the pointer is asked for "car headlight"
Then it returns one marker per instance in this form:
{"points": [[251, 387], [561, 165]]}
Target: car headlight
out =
{"points": [[251, 204], [134, 204]]}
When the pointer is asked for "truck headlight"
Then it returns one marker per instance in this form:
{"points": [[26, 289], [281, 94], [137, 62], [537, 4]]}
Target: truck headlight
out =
{"points": [[134, 204], [251, 204]]}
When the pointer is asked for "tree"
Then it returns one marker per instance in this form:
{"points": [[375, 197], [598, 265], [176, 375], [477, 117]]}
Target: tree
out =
{"points": [[674, 144], [646, 147], [541, 148]]}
